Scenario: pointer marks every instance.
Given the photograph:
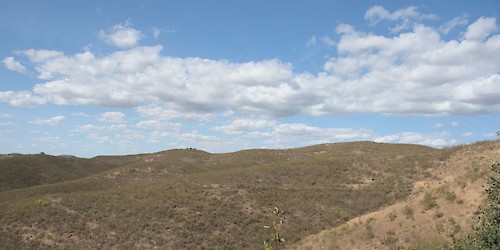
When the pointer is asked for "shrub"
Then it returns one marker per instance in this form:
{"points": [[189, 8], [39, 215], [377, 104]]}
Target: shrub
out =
{"points": [[429, 201], [408, 212], [392, 216], [486, 233], [43, 202]]}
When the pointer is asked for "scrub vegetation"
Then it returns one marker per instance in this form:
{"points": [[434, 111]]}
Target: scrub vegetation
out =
{"points": [[191, 199]]}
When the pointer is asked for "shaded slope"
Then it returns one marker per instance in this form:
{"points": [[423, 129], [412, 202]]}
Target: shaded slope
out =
{"points": [[189, 199], [20, 171]]}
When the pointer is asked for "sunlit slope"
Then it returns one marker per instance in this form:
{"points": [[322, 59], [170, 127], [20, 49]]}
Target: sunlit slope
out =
{"points": [[190, 199]]}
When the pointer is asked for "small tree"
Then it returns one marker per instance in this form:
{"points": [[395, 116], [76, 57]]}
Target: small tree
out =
{"points": [[276, 238]]}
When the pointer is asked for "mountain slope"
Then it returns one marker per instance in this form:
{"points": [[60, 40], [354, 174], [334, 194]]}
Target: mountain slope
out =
{"points": [[190, 199], [445, 204]]}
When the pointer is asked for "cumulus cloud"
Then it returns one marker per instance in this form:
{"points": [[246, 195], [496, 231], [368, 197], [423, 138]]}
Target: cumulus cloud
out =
{"points": [[50, 121], [112, 117], [480, 29], [21, 98], [40, 56], [412, 72], [437, 140], [122, 35], [240, 126], [11, 64]]}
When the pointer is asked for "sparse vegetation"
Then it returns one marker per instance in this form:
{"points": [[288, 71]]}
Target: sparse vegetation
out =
{"points": [[408, 212], [43, 202], [429, 201], [276, 238], [486, 233], [190, 199], [392, 216]]}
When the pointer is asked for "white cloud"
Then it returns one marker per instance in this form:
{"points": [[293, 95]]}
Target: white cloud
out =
{"points": [[11, 64], [480, 29], [454, 23], [406, 16], [8, 124], [50, 121], [95, 128], [413, 72], [82, 114], [40, 56], [437, 125], [159, 125], [240, 126], [5, 115], [121, 35], [21, 98], [99, 138], [328, 41], [437, 140], [112, 117]]}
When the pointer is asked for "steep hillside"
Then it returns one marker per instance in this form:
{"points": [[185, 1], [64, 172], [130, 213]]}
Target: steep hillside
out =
{"points": [[444, 204], [190, 199], [20, 171]]}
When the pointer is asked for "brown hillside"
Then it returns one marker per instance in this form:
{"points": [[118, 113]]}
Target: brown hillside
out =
{"points": [[443, 204], [20, 171], [190, 199]]}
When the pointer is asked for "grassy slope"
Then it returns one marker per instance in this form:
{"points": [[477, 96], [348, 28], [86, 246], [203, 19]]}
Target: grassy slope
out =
{"points": [[20, 171], [189, 199], [444, 204]]}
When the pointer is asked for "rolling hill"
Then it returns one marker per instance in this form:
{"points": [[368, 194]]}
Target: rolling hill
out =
{"points": [[191, 199], [20, 171]]}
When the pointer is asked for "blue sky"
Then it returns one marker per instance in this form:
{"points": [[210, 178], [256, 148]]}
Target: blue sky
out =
{"points": [[94, 78]]}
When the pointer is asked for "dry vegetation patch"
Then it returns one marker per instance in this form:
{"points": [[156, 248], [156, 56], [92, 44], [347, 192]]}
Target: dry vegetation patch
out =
{"points": [[443, 204], [190, 199]]}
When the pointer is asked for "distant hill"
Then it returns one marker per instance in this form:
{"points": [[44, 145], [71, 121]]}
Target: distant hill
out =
{"points": [[20, 171], [191, 199]]}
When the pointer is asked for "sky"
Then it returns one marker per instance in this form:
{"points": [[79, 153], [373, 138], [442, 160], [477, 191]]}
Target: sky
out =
{"points": [[94, 77]]}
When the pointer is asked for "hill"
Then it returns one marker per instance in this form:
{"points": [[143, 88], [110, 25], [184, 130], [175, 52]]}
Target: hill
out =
{"points": [[20, 171], [445, 205], [190, 199]]}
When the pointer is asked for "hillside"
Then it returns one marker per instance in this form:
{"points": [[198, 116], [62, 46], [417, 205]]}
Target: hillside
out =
{"points": [[190, 199], [20, 171], [443, 205]]}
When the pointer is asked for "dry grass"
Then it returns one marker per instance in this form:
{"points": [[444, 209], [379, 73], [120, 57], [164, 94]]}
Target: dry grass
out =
{"points": [[438, 207], [190, 199]]}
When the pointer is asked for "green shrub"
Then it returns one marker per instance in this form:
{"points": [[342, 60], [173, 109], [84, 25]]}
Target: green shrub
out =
{"points": [[43, 202]]}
